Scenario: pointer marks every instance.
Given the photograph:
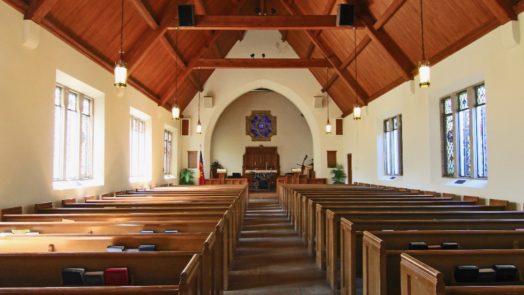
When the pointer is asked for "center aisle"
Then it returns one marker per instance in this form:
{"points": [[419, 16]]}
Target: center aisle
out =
{"points": [[271, 258]]}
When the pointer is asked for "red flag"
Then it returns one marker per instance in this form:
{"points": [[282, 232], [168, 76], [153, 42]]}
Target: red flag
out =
{"points": [[201, 177]]}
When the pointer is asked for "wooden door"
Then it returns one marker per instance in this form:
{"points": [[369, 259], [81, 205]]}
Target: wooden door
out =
{"points": [[350, 169]]}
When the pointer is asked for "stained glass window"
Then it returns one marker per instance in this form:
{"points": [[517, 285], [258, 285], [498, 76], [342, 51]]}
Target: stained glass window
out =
{"points": [[393, 146], [480, 132], [73, 135], [261, 125], [464, 136]]}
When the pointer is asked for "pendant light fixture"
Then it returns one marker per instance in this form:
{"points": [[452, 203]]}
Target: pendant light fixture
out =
{"points": [[424, 71], [120, 66], [329, 128], [357, 110], [199, 125], [175, 111]]}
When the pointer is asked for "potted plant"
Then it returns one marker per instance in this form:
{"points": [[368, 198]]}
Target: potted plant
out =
{"points": [[338, 176], [214, 166], [186, 176]]}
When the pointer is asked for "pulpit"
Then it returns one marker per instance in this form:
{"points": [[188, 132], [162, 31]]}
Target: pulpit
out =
{"points": [[261, 166]]}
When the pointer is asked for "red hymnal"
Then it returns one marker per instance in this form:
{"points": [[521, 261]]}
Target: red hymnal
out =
{"points": [[117, 276]]}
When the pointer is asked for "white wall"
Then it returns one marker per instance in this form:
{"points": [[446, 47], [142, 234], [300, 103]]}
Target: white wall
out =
{"points": [[293, 139], [495, 59], [297, 85], [27, 82]]}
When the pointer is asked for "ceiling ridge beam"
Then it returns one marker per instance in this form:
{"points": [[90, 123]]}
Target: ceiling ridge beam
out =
{"points": [[38, 9], [331, 57], [183, 75], [246, 63], [390, 46], [501, 9], [360, 47]]}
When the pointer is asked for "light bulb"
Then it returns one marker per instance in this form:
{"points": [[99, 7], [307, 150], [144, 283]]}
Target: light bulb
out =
{"points": [[199, 128], [329, 128], [175, 111], [120, 74], [357, 112]]}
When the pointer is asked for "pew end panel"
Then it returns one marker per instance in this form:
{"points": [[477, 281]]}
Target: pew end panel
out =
{"points": [[418, 278], [11, 210]]}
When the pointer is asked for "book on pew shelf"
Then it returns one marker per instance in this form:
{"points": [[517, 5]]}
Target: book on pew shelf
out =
{"points": [[147, 231], [131, 250], [21, 231], [3, 234], [418, 246], [115, 248], [73, 276], [486, 275], [116, 276], [505, 272], [449, 246], [171, 231], [146, 248], [94, 278], [466, 273]]}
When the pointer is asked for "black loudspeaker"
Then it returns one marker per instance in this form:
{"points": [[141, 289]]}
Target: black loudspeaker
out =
{"points": [[346, 15], [186, 15]]}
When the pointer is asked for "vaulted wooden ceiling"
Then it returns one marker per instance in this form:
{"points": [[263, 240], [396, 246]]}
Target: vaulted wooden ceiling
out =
{"points": [[388, 39]]}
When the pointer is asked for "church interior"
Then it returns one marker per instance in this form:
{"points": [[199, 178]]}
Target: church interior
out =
{"points": [[261, 147]]}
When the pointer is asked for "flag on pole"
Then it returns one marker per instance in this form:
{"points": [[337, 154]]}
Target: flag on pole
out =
{"points": [[201, 176]]}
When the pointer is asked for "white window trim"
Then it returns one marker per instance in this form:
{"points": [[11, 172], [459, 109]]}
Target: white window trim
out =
{"points": [[98, 132], [174, 153]]}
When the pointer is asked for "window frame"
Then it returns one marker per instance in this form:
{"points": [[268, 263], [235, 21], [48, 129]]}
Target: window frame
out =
{"points": [[388, 136], [472, 106], [168, 157], [78, 108], [141, 145]]}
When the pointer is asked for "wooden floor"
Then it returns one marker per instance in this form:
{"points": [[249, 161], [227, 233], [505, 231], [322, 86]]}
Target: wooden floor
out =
{"points": [[271, 258]]}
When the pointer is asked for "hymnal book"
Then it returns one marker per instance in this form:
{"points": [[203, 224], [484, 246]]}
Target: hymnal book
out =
{"points": [[73, 276], [147, 231], [171, 231], [94, 278], [115, 248], [131, 250], [145, 248], [116, 276], [22, 231]]}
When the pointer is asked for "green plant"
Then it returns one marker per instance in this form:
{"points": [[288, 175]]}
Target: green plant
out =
{"points": [[338, 176], [186, 176], [216, 165]]}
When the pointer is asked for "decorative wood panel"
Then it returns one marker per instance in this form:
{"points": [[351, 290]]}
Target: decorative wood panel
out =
{"points": [[261, 158], [331, 159], [339, 126], [192, 159], [184, 123]]}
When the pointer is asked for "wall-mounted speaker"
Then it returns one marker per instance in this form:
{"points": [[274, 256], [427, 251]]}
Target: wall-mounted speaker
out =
{"points": [[319, 101], [186, 15], [346, 15], [208, 102]]}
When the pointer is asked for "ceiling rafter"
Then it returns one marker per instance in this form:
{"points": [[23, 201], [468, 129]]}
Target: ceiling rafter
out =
{"points": [[331, 57], [38, 9], [87, 50], [388, 45], [157, 34], [200, 7], [260, 63], [360, 47], [501, 9], [169, 94]]}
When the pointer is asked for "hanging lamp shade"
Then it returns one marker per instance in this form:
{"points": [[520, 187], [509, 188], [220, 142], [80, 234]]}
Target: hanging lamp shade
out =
{"points": [[424, 73], [120, 74], [199, 127], [175, 111], [329, 127], [357, 112]]}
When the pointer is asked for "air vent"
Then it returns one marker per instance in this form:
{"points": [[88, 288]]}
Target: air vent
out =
{"points": [[460, 181]]}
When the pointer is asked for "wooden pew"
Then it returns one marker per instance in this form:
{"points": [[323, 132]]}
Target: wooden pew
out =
{"points": [[169, 269], [352, 231], [431, 272], [381, 251]]}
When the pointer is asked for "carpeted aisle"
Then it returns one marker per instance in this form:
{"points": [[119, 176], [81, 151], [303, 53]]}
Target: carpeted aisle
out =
{"points": [[271, 258]]}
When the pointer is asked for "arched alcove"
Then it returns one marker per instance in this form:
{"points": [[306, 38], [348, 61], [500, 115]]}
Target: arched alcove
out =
{"points": [[293, 137]]}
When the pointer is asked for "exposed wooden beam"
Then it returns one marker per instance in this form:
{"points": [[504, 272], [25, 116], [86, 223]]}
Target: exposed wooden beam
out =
{"points": [[388, 44], [501, 9], [261, 63], [38, 9], [284, 35], [211, 40], [390, 12], [146, 15], [200, 7], [360, 47], [264, 22], [331, 57], [519, 7]]}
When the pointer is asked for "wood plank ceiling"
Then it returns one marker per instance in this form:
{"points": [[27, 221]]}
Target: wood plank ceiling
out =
{"points": [[388, 39]]}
